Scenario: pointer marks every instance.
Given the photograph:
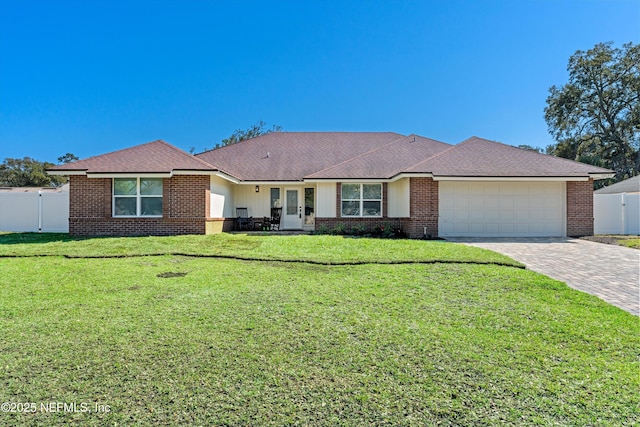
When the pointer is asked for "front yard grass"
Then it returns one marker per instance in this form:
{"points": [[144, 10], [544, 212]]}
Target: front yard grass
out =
{"points": [[629, 241], [183, 340], [318, 249]]}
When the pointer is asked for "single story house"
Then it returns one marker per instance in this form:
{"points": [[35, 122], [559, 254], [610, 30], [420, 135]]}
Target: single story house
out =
{"points": [[321, 179]]}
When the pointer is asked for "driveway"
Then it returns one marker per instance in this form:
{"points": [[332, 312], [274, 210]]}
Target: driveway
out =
{"points": [[609, 272]]}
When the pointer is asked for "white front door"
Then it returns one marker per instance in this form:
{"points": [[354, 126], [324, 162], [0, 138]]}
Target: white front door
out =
{"points": [[292, 210]]}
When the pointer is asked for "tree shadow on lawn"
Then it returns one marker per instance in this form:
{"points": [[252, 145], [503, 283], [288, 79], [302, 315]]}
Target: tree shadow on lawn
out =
{"points": [[13, 238]]}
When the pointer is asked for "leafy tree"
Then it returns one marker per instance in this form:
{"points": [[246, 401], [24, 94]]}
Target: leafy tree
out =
{"points": [[530, 148], [256, 130], [595, 117], [67, 158], [28, 172]]}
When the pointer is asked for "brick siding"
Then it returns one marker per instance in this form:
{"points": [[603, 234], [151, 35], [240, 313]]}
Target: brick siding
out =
{"points": [[579, 208], [185, 208], [349, 222], [423, 209], [423, 205]]}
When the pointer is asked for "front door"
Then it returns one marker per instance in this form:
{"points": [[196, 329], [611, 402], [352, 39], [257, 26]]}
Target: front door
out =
{"points": [[292, 212]]}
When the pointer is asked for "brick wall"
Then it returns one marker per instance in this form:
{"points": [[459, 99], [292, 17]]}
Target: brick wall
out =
{"points": [[349, 222], [579, 208], [185, 208], [423, 208], [423, 205]]}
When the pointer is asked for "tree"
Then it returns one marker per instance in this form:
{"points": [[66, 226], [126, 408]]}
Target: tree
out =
{"points": [[595, 117], [530, 148], [28, 172], [67, 158], [256, 130]]}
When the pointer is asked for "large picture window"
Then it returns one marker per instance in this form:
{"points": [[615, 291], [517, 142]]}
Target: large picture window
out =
{"points": [[137, 197], [362, 200]]}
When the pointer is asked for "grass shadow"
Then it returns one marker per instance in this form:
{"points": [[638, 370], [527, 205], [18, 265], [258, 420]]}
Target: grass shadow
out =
{"points": [[14, 238]]}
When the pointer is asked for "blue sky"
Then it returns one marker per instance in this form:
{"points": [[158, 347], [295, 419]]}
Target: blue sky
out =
{"points": [[89, 77]]}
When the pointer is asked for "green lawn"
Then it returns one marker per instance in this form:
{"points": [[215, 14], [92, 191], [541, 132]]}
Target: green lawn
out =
{"points": [[173, 339]]}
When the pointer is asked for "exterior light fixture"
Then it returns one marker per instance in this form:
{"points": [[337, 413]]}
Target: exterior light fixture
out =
{"points": [[257, 188]]}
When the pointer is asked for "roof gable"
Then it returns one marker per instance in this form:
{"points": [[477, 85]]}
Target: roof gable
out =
{"points": [[477, 157], [291, 156], [152, 157], [386, 161]]}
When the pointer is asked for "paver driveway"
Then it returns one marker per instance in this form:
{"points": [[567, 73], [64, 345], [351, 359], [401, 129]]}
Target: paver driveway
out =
{"points": [[609, 272]]}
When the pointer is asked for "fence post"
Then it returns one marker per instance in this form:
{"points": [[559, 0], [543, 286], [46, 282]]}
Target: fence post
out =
{"points": [[624, 208], [39, 211]]}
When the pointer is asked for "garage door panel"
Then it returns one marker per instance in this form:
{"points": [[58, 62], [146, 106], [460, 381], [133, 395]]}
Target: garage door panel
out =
{"points": [[502, 209], [476, 216], [476, 202], [521, 202], [462, 202], [447, 203], [506, 202]]}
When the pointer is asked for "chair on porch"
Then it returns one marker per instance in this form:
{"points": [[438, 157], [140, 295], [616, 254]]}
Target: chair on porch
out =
{"points": [[243, 220], [273, 222]]}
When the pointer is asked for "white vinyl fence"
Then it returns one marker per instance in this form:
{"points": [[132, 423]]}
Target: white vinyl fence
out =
{"points": [[616, 213], [35, 210]]}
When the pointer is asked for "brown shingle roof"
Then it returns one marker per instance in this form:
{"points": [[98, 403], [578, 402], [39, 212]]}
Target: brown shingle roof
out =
{"points": [[152, 157], [386, 161], [291, 156], [294, 156], [477, 157]]}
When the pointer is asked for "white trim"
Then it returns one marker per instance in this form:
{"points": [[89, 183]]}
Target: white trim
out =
{"points": [[510, 178], [66, 173], [226, 177], [461, 178], [193, 172], [272, 183], [349, 180], [411, 175], [597, 176], [139, 174], [129, 175], [371, 180]]}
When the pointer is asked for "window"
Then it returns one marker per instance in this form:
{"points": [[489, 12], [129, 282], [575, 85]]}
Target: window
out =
{"points": [[309, 206], [362, 200], [275, 198], [137, 197]]}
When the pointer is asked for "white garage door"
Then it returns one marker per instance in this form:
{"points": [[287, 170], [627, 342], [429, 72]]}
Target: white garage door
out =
{"points": [[501, 209]]}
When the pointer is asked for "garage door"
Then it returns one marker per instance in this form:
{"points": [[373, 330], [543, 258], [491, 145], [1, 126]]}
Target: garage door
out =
{"points": [[501, 209]]}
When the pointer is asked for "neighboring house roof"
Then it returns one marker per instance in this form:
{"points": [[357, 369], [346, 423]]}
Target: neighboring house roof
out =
{"points": [[296, 156], [65, 187], [477, 157], [631, 185], [152, 157], [292, 156]]}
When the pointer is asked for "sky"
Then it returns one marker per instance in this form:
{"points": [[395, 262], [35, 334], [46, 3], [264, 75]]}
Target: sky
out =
{"points": [[90, 77]]}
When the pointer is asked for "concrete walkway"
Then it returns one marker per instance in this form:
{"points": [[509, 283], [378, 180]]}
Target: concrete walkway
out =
{"points": [[609, 272]]}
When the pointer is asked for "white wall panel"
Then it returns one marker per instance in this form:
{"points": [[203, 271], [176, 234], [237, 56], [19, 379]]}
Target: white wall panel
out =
{"points": [[398, 198], [326, 200]]}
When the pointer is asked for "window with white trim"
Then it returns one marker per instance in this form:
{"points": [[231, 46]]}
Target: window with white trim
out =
{"points": [[133, 197], [364, 200]]}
